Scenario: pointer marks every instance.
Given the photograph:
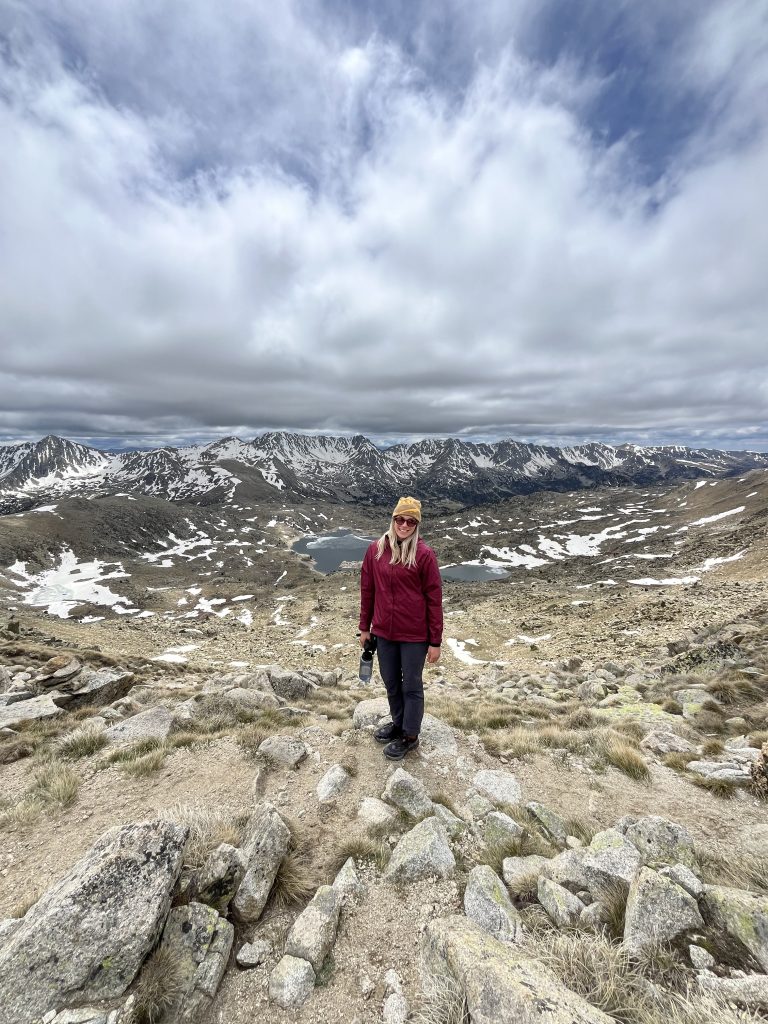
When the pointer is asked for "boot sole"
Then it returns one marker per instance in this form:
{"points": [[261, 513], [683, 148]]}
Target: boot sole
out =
{"points": [[399, 757]]}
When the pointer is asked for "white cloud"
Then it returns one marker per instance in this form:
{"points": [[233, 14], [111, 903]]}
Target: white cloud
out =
{"points": [[232, 218]]}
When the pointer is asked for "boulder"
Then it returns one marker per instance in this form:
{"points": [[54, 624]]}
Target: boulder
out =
{"points": [[16, 714], [332, 784], [252, 954], [664, 741], [552, 824], [376, 814], [487, 903], [659, 911], [347, 881], [266, 843], [153, 724], [662, 842], [408, 793], [751, 991], [684, 877], [284, 750], [250, 699], [291, 982], [217, 881], [421, 853], [497, 986], [567, 869], [314, 930], [498, 827], [289, 685], [498, 787], [562, 907], [198, 941], [610, 860], [87, 936], [99, 687], [452, 824], [741, 914]]}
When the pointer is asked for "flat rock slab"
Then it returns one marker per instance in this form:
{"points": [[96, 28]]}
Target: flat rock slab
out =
{"points": [[16, 714], [153, 724], [375, 813], [250, 700], [102, 686], [498, 987], [434, 736], [660, 842], [332, 784], [562, 907], [498, 787], [87, 936]]}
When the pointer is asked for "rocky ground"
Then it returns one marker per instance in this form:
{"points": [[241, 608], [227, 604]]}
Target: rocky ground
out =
{"points": [[216, 837]]}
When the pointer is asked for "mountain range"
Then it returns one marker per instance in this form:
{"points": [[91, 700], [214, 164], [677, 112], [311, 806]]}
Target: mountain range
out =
{"points": [[290, 466]]}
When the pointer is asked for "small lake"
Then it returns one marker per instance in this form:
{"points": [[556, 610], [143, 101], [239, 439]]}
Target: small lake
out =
{"points": [[329, 550]]}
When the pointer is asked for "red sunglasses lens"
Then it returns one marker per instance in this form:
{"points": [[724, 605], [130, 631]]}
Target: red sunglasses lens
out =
{"points": [[405, 521]]}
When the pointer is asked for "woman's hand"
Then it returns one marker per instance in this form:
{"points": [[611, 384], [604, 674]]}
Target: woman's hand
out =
{"points": [[433, 655], [363, 638]]}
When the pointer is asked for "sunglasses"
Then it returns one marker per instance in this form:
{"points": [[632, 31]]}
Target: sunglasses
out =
{"points": [[405, 521]]}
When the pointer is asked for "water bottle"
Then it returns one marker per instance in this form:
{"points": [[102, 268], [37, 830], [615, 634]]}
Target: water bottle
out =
{"points": [[366, 660]]}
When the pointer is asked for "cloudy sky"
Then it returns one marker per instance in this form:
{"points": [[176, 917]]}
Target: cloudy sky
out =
{"points": [[531, 218]]}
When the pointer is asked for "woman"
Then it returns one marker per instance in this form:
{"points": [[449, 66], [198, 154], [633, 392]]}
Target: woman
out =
{"points": [[401, 603]]}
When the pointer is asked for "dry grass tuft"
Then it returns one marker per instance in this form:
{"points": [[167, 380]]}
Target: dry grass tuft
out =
{"points": [[83, 742], [443, 798], [678, 760], [672, 707], [295, 881], [160, 984], [739, 868], [208, 828], [712, 747], [148, 764], [16, 749], [55, 784], [723, 788], [580, 718], [625, 757], [250, 737], [445, 1003], [362, 849]]}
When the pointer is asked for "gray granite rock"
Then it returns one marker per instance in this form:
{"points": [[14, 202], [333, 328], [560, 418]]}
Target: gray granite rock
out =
{"points": [[487, 903], [552, 824], [291, 983], [408, 793], [348, 882], [14, 715], [199, 942], [422, 853], [314, 930], [664, 741], [332, 784], [86, 937], [498, 787], [521, 870], [376, 814], [284, 750], [658, 912], [252, 954], [265, 844], [562, 907], [498, 827], [739, 913], [217, 881], [662, 842], [152, 724], [497, 987]]}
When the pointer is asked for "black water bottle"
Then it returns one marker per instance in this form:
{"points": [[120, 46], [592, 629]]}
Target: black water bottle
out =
{"points": [[366, 660]]}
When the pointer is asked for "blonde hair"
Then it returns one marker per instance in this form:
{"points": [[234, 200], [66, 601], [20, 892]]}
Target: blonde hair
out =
{"points": [[404, 552]]}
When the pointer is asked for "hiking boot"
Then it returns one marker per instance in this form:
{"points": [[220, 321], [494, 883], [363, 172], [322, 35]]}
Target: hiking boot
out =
{"points": [[388, 732], [397, 749]]}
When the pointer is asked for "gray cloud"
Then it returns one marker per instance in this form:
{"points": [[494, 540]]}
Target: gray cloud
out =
{"points": [[225, 219]]}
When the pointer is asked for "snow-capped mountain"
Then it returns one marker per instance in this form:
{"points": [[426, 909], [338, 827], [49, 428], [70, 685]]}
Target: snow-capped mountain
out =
{"points": [[345, 468]]}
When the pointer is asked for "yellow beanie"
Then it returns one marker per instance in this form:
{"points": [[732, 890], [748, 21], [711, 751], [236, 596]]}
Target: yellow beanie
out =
{"points": [[408, 507]]}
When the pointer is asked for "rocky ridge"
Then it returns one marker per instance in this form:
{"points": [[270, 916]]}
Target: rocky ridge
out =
{"points": [[499, 886]]}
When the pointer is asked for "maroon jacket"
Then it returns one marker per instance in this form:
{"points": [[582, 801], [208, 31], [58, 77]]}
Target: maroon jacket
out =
{"points": [[397, 603]]}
